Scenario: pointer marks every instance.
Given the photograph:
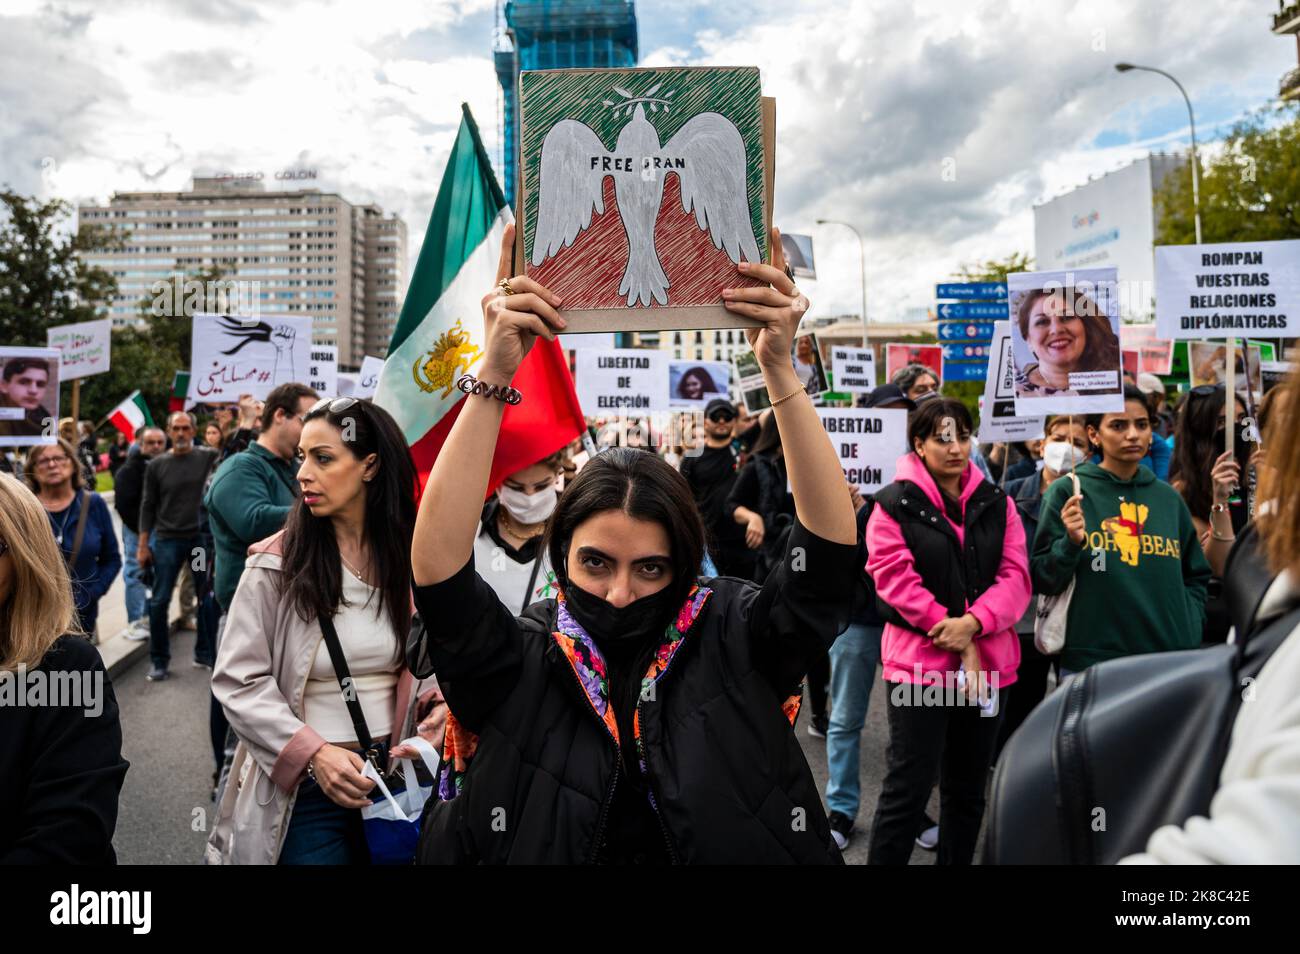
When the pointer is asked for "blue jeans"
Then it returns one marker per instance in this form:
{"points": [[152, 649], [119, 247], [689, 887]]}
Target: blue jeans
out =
{"points": [[853, 672], [168, 558], [323, 833], [137, 596]]}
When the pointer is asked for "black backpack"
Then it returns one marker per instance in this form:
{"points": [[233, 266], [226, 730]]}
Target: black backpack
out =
{"points": [[1130, 744]]}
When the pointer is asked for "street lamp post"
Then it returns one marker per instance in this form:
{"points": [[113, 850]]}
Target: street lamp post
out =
{"points": [[862, 252], [1191, 116], [1230, 362]]}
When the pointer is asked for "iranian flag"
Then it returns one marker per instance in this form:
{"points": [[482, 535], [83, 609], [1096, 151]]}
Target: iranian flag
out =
{"points": [[439, 335], [131, 415]]}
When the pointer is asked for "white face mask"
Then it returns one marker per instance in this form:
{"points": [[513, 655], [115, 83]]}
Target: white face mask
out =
{"points": [[1060, 456], [528, 508]]}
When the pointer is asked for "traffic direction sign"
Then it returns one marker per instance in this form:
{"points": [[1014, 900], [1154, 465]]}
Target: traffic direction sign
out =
{"points": [[972, 309], [965, 331], [995, 290], [965, 370], [966, 351]]}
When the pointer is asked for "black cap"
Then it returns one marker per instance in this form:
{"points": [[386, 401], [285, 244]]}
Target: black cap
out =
{"points": [[718, 404], [889, 394]]}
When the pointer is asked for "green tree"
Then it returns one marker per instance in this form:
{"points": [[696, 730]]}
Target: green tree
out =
{"points": [[992, 270], [44, 278], [1250, 191]]}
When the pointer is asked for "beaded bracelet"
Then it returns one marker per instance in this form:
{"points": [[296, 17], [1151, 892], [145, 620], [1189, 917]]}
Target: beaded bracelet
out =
{"points": [[471, 385]]}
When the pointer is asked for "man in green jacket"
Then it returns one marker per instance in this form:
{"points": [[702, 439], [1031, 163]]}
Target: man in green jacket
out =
{"points": [[1128, 543], [251, 493]]}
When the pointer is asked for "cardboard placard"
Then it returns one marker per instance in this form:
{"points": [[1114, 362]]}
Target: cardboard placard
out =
{"points": [[85, 348], [29, 396], [1066, 350], [323, 373], [621, 381], [998, 419], [869, 442], [1228, 290], [606, 157], [899, 355], [368, 378], [234, 355], [854, 369]]}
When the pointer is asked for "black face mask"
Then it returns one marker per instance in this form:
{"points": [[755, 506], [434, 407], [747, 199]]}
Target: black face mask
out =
{"points": [[634, 623]]}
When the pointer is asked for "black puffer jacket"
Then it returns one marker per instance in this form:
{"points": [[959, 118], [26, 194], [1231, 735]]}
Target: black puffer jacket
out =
{"points": [[728, 780]]}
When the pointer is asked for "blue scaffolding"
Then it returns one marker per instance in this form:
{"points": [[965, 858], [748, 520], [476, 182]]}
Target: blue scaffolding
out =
{"points": [[551, 34]]}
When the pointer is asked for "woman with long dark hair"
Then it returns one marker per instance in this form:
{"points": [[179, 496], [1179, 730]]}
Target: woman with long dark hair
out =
{"points": [[644, 714], [1210, 492], [946, 550], [341, 561]]}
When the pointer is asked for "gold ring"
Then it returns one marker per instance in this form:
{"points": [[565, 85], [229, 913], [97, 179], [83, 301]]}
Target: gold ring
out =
{"points": [[504, 285]]}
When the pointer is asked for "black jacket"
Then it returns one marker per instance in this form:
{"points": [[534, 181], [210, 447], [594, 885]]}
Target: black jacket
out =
{"points": [[128, 489], [727, 778], [955, 578], [61, 765]]}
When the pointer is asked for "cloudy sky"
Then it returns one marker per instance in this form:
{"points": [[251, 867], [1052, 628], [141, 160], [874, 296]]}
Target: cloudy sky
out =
{"points": [[875, 100]]}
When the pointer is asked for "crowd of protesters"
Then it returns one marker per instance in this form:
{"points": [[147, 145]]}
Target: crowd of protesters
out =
{"points": [[611, 656]]}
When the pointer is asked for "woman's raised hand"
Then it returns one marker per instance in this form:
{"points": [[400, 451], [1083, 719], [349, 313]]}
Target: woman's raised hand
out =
{"points": [[512, 322], [780, 306]]}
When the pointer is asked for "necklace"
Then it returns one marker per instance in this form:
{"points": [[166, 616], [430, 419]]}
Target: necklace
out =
{"points": [[523, 534], [67, 515], [351, 568]]}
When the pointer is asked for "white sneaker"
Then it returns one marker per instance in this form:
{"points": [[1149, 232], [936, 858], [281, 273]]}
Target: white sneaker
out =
{"points": [[137, 630], [929, 839]]}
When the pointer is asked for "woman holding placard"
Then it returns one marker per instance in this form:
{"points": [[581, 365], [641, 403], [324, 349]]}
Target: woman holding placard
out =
{"points": [[1128, 543], [947, 553], [644, 714]]}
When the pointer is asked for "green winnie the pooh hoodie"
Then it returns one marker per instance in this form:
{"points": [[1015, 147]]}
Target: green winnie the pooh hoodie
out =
{"points": [[1139, 578]]}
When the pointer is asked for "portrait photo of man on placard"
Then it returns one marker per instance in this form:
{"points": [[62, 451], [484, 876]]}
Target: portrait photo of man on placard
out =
{"points": [[29, 396]]}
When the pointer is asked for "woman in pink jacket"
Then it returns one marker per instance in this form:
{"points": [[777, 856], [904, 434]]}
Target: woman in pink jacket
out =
{"points": [[947, 553]]}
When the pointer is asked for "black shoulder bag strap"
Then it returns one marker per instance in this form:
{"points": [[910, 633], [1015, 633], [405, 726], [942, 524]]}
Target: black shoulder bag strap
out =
{"points": [[371, 752], [81, 529]]}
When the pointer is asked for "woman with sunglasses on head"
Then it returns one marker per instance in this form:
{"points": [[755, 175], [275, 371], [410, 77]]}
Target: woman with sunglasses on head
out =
{"points": [[1211, 490], [1128, 542], [644, 715], [82, 525], [61, 761], [340, 563]]}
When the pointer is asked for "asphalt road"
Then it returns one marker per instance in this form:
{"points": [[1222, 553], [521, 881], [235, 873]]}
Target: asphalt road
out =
{"points": [[165, 808]]}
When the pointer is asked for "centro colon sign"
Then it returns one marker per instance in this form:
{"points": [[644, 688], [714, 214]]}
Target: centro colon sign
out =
{"points": [[282, 174]]}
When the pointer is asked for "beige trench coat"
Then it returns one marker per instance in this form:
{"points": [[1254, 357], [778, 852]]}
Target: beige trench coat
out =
{"points": [[259, 678]]}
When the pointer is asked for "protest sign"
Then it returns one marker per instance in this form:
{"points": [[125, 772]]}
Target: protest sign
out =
{"points": [[29, 396], [1273, 373], [749, 382], [1065, 341], [806, 356], [799, 254], [854, 369], [84, 348], [998, 419], [1155, 355], [235, 355], [641, 190], [694, 384], [869, 442], [368, 379], [1228, 290], [899, 355], [1207, 364], [323, 372], [621, 381]]}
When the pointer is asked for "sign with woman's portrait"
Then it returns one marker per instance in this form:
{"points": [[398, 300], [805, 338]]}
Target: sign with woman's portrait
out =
{"points": [[694, 384], [1065, 341], [807, 359]]}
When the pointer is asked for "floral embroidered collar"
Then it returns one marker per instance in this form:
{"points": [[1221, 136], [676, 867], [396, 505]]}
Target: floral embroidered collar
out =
{"points": [[589, 665]]}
